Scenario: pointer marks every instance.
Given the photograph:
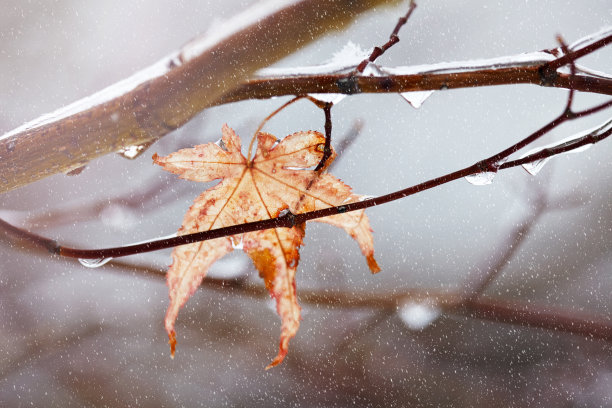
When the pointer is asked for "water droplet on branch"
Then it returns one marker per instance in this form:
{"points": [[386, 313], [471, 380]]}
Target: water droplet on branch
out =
{"points": [[416, 98], [482, 178], [334, 98], [132, 152], [582, 140], [535, 166], [366, 197], [94, 263]]}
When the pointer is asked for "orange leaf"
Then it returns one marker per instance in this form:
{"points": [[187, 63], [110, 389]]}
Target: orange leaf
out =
{"points": [[275, 179]]}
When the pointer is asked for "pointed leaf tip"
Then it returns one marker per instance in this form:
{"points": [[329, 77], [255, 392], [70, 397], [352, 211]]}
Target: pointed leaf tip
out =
{"points": [[172, 342], [282, 353], [372, 264]]}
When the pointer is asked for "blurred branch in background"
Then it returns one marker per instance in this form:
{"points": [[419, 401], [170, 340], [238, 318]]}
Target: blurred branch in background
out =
{"points": [[469, 302]]}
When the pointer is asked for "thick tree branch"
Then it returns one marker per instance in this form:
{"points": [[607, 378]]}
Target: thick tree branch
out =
{"points": [[166, 95], [264, 87], [537, 68]]}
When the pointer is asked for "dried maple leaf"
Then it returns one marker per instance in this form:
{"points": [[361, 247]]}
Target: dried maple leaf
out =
{"points": [[274, 180]]}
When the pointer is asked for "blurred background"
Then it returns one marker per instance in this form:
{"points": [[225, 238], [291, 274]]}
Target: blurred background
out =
{"points": [[73, 336]]}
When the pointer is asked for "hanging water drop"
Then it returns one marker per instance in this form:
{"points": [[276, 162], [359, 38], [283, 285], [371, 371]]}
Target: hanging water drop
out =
{"points": [[535, 166], [418, 316], [131, 152], [582, 140], [416, 98], [482, 178], [94, 263], [334, 98]]}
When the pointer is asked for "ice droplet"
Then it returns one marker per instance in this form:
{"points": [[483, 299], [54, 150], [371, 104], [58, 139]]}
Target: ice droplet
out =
{"points": [[416, 98], [589, 136], [418, 316], [334, 98], [482, 178], [94, 263], [535, 166], [132, 152]]}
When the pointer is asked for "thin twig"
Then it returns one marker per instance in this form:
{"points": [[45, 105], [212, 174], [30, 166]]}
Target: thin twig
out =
{"points": [[266, 119], [289, 220], [327, 150], [393, 39]]}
